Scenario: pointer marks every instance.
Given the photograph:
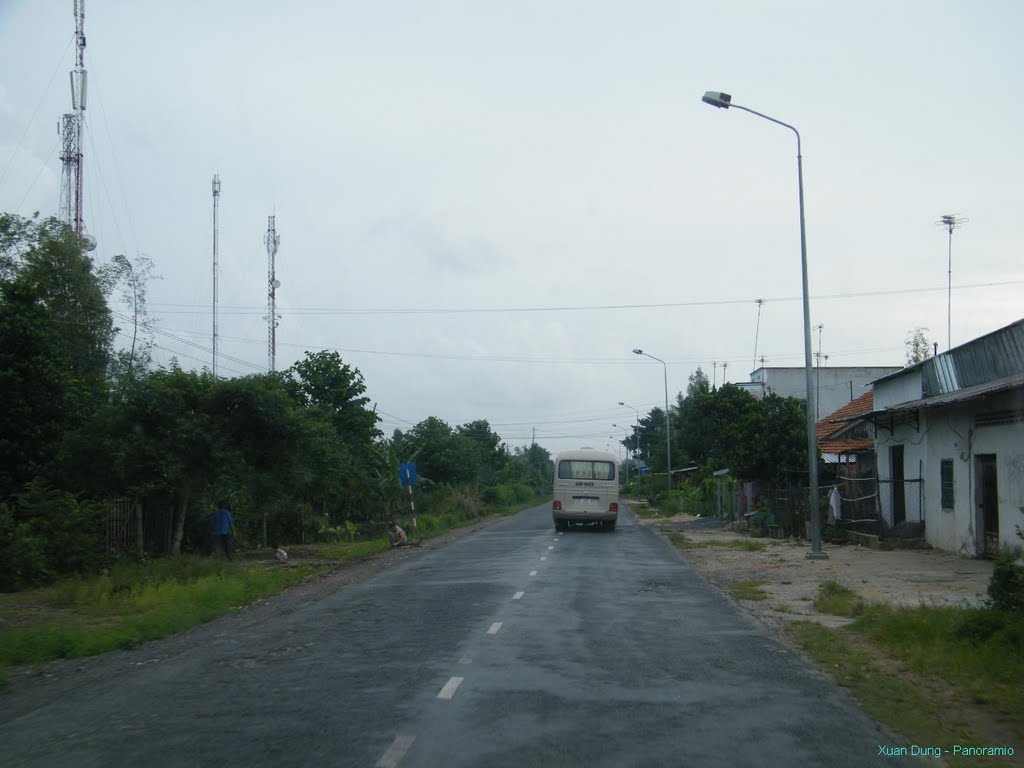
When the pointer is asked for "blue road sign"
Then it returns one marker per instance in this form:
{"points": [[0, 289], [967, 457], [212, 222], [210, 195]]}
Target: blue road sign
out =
{"points": [[407, 473]]}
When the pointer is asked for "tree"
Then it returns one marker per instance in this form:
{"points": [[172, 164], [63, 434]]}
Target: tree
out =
{"points": [[165, 441], [917, 346], [133, 277], [35, 387], [47, 258], [485, 446], [55, 340]]}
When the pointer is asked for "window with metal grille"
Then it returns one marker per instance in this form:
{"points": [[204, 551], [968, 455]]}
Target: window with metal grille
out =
{"points": [[946, 470]]}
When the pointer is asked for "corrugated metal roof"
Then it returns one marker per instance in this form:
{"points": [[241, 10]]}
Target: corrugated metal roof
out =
{"points": [[989, 358], [961, 395]]}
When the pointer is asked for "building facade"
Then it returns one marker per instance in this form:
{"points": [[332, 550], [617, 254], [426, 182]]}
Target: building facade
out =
{"points": [[949, 444], [834, 386]]}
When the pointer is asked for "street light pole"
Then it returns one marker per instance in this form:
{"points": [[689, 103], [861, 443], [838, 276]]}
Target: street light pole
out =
{"points": [[668, 424], [625, 441], [724, 101]]}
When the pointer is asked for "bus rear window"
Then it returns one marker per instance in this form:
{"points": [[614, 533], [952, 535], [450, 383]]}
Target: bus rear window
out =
{"points": [[586, 470]]}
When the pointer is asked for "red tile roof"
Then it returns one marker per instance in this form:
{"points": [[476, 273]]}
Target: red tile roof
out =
{"points": [[839, 419]]}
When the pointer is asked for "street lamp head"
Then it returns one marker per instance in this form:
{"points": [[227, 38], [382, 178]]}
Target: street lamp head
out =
{"points": [[637, 351], [717, 99], [621, 403]]}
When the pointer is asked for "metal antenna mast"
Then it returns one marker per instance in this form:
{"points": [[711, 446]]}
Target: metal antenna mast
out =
{"points": [[757, 328], [271, 240], [216, 206], [817, 375], [950, 221], [70, 129]]}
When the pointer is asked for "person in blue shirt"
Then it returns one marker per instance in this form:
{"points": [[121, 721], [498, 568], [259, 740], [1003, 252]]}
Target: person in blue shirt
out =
{"points": [[223, 528]]}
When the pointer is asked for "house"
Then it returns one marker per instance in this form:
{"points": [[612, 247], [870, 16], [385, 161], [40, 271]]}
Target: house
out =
{"points": [[949, 444], [834, 386], [847, 445]]}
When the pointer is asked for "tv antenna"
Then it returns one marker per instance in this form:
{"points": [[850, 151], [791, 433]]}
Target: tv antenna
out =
{"points": [[950, 222], [757, 329]]}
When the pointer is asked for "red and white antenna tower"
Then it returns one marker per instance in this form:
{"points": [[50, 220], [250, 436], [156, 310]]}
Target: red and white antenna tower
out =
{"points": [[216, 206], [71, 128], [272, 240]]}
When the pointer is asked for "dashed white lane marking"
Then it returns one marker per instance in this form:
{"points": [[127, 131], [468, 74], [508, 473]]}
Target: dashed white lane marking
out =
{"points": [[518, 595], [494, 628], [396, 751], [550, 547], [449, 688], [543, 558], [533, 573], [465, 660]]}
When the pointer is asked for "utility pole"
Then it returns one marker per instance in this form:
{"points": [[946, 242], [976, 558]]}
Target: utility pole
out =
{"points": [[272, 240], [70, 129], [216, 206]]}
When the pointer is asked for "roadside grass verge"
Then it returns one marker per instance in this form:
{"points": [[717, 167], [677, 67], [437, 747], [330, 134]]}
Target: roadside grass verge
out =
{"points": [[979, 650], [747, 590], [838, 600], [131, 604], [646, 511], [936, 675], [134, 602], [745, 545]]}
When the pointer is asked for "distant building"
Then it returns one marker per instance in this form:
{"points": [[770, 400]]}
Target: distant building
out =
{"points": [[949, 444], [834, 386]]}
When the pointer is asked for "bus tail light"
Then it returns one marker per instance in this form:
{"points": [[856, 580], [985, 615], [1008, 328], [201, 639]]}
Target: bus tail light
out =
{"points": [[556, 506], [613, 507]]}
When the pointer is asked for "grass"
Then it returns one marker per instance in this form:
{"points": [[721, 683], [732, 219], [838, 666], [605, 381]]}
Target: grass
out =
{"points": [[980, 650], [937, 675], [130, 605], [136, 602], [747, 590], [746, 545], [838, 600]]}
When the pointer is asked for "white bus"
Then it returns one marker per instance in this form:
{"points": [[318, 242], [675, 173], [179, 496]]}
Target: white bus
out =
{"points": [[586, 489]]}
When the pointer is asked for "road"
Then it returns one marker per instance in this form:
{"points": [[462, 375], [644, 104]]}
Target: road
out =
{"points": [[512, 646]]}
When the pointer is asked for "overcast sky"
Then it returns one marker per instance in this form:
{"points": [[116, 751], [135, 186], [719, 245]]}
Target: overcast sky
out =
{"points": [[485, 206]]}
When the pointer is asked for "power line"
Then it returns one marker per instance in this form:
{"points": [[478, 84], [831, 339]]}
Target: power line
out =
{"points": [[252, 310]]}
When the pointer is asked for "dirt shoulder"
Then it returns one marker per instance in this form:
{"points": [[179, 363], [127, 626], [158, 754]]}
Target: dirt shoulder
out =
{"points": [[909, 577]]}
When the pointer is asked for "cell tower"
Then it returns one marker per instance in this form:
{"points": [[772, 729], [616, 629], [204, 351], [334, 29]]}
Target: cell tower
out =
{"points": [[272, 241], [216, 233], [950, 221], [70, 129]]}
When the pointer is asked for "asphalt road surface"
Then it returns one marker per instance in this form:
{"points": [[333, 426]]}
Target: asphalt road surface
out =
{"points": [[512, 646]]}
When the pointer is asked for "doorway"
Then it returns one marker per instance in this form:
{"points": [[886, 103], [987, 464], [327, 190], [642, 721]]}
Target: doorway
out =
{"points": [[899, 497], [986, 499]]}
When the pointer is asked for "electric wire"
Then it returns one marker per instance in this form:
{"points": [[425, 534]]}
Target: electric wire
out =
{"points": [[31, 120], [251, 310]]}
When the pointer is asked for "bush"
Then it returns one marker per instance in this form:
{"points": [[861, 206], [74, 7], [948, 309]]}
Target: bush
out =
{"points": [[22, 554], [47, 534], [1006, 587]]}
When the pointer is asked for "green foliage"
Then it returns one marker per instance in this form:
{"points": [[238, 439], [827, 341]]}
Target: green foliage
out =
{"points": [[835, 599], [49, 532], [141, 603], [979, 650], [1006, 586], [747, 590]]}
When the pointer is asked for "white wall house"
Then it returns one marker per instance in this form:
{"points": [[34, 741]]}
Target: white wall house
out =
{"points": [[834, 386], [949, 444]]}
